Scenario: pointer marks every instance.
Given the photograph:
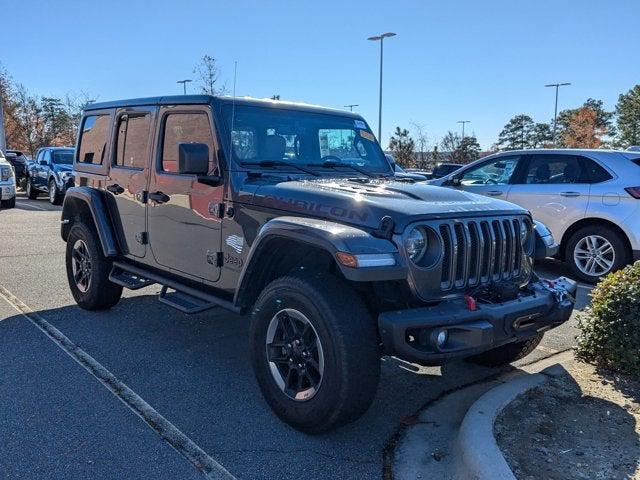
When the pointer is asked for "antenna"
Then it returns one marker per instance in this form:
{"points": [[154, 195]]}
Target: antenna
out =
{"points": [[233, 111]]}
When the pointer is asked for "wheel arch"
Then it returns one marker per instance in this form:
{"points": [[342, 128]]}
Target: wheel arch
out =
{"points": [[88, 205], [592, 221]]}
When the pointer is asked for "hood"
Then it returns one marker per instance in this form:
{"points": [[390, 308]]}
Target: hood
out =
{"points": [[364, 202]]}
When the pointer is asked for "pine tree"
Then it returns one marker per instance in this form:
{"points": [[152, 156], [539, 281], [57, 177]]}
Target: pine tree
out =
{"points": [[402, 147], [517, 134], [628, 117]]}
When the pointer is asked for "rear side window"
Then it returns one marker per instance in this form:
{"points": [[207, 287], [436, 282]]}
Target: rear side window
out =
{"points": [[133, 141], [184, 128], [593, 172], [93, 139]]}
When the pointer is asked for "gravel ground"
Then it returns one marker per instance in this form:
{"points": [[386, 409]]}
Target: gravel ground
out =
{"points": [[583, 425]]}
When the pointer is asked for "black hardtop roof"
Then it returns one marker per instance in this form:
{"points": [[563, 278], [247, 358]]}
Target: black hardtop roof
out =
{"points": [[210, 99]]}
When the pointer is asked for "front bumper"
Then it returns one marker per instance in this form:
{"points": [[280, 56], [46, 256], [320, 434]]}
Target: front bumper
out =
{"points": [[7, 192], [412, 334]]}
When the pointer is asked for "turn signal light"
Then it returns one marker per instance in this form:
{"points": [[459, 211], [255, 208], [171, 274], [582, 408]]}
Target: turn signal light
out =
{"points": [[634, 192], [347, 259]]}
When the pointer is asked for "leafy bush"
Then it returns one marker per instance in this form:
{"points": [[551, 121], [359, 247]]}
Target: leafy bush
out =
{"points": [[610, 328]]}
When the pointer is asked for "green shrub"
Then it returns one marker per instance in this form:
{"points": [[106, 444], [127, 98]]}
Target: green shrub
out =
{"points": [[610, 328]]}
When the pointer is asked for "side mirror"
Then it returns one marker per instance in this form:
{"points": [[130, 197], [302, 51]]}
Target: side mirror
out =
{"points": [[453, 181], [193, 158], [43, 162]]}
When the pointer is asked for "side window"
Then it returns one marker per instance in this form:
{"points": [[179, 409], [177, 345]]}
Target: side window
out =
{"points": [[554, 169], [133, 141], [93, 139], [40, 156], [185, 128], [593, 172], [495, 172]]}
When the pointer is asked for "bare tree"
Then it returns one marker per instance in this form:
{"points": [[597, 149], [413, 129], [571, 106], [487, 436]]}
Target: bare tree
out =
{"points": [[208, 74], [421, 141]]}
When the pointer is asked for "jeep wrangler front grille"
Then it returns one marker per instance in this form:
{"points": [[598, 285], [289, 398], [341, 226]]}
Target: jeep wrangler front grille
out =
{"points": [[477, 252]]}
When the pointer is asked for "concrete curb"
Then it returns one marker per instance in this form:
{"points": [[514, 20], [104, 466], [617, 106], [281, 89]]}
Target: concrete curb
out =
{"points": [[481, 456]]}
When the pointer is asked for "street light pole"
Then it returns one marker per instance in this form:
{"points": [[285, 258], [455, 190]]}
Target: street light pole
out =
{"points": [[381, 39], [555, 113], [463, 122], [184, 85], [3, 139], [350, 106]]}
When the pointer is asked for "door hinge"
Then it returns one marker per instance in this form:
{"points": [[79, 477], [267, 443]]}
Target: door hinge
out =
{"points": [[142, 238], [219, 259], [216, 209]]}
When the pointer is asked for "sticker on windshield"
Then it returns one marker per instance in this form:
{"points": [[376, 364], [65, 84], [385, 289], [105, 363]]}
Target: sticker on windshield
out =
{"points": [[367, 135], [360, 124]]}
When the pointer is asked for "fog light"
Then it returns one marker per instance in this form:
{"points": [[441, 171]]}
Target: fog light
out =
{"points": [[440, 337]]}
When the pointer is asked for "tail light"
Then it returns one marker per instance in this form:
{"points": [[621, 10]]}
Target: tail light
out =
{"points": [[634, 192]]}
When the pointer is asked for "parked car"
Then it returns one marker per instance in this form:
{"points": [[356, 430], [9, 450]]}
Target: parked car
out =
{"points": [[7, 183], [51, 173], [634, 148], [589, 199], [19, 162], [443, 169], [293, 214], [402, 173]]}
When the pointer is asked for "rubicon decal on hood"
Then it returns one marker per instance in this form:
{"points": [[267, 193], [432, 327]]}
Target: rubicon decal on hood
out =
{"points": [[313, 207]]}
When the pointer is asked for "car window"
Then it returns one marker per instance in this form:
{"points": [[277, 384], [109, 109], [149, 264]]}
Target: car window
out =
{"points": [[133, 141], [495, 172], [185, 128], [47, 156], [556, 169], [63, 157], [593, 172], [93, 139]]}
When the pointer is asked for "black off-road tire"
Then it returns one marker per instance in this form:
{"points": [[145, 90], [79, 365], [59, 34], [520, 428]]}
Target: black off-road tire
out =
{"points": [[55, 197], [32, 192], [9, 203], [622, 254], [349, 340], [507, 353], [101, 293]]}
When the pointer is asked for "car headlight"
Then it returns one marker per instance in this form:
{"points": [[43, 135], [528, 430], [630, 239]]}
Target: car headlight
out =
{"points": [[415, 244], [6, 173], [66, 176]]}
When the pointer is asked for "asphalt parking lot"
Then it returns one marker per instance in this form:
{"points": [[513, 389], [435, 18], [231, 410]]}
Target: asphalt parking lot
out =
{"points": [[59, 421]]}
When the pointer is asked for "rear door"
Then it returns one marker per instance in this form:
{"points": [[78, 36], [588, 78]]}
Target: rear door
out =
{"points": [[491, 178], [129, 175], [554, 188], [184, 216]]}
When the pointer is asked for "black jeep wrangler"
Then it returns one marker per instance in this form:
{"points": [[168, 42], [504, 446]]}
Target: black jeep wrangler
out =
{"points": [[293, 214]]}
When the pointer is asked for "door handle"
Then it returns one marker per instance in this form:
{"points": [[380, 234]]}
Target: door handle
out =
{"points": [[115, 189], [570, 194], [159, 197], [495, 193]]}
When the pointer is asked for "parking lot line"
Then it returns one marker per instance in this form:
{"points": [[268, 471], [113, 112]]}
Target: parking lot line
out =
{"points": [[29, 205], [169, 432]]}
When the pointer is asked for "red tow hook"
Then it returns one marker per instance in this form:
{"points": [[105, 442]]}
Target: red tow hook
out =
{"points": [[472, 304]]}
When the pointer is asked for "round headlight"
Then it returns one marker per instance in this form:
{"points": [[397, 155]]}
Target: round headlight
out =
{"points": [[416, 244], [524, 232]]}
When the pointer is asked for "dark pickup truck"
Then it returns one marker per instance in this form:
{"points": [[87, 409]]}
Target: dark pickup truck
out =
{"points": [[51, 173], [292, 214]]}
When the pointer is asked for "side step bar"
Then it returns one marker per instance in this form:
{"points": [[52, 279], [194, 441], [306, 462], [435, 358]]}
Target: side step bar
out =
{"points": [[184, 298], [128, 279]]}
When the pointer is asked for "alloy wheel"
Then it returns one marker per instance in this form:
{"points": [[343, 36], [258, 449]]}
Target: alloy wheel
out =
{"points": [[594, 255], [295, 355], [81, 265]]}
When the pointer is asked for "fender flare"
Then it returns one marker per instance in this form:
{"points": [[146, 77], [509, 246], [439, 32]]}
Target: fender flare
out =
{"points": [[329, 236], [96, 205]]}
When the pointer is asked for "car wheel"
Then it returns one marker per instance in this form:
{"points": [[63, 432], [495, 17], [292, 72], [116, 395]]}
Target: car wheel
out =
{"points": [[88, 270], [315, 354], [9, 203], [32, 192], [507, 353], [595, 251], [55, 197]]}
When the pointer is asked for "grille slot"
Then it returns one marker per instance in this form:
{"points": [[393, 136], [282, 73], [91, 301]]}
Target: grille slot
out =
{"points": [[480, 252]]}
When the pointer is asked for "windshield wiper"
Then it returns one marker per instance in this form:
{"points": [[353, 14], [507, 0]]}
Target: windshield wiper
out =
{"points": [[281, 163], [334, 164]]}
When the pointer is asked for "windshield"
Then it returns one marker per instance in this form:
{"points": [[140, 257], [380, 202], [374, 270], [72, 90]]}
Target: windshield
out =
{"points": [[302, 138], [64, 157]]}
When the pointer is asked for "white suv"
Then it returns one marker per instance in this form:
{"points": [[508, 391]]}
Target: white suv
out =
{"points": [[589, 199], [7, 183]]}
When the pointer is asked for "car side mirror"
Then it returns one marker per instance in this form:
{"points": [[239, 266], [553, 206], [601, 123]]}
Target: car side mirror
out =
{"points": [[454, 181], [43, 162], [193, 158]]}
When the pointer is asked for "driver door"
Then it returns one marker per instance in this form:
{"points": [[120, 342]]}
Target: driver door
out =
{"points": [[491, 178]]}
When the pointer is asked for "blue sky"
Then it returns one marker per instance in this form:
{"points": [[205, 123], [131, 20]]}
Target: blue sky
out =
{"points": [[483, 61]]}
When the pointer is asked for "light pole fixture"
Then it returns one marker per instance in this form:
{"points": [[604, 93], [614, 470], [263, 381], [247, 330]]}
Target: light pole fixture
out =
{"points": [[351, 105], [381, 39], [463, 122], [184, 85], [555, 113]]}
